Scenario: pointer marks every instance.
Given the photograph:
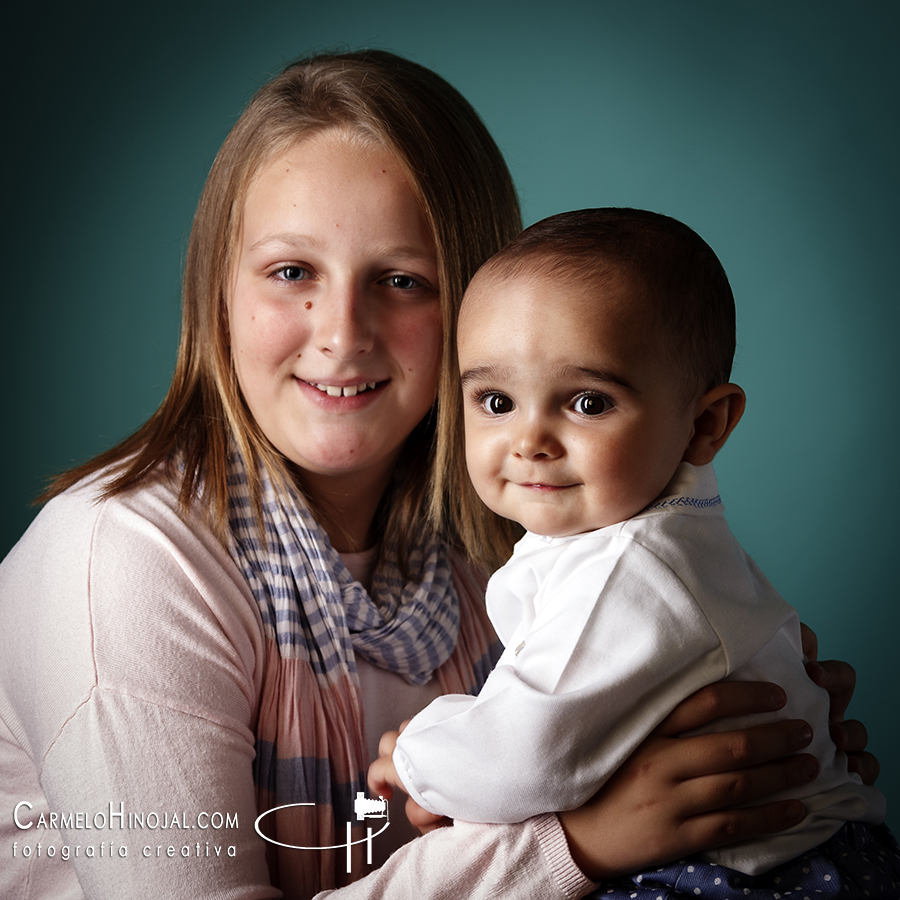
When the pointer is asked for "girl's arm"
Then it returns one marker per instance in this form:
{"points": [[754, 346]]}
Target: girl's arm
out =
{"points": [[129, 670], [678, 795], [525, 861], [674, 796]]}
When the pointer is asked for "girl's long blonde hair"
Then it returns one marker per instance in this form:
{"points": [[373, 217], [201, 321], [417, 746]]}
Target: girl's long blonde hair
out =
{"points": [[468, 197]]}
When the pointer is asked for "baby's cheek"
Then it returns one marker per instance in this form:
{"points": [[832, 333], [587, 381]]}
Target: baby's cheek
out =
{"points": [[482, 469]]}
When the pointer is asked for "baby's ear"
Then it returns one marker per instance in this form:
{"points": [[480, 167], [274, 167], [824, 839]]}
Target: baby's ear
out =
{"points": [[718, 411]]}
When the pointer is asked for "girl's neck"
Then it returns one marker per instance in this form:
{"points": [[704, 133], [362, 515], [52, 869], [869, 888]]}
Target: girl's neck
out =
{"points": [[345, 506]]}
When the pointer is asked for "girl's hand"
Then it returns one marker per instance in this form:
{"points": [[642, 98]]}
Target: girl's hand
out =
{"points": [[839, 679], [677, 795]]}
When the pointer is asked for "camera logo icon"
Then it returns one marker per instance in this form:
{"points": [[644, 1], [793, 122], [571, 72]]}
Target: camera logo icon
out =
{"points": [[363, 808]]}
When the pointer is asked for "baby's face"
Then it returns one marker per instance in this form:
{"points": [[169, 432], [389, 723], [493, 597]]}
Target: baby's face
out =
{"points": [[574, 420]]}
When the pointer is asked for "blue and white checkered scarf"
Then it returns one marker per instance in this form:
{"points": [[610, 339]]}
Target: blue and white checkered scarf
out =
{"points": [[311, 756], [316, 611]]}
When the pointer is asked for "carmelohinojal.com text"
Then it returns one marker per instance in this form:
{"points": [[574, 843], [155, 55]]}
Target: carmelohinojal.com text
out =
{"points": [[104, 837]]}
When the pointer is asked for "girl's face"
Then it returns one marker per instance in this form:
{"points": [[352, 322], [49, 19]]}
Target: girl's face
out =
{"points": [[334, 311]]}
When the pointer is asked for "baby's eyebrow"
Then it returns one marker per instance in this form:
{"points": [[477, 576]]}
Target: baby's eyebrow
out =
{"points": [[484, 373], [604, 375]]}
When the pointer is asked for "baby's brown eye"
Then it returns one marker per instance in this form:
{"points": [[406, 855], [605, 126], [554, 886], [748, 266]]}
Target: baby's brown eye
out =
{"points": [[590, 405], [497, 404]]}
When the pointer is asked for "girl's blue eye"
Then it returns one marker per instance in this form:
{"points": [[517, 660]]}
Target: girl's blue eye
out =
{"points": [[497, 404], [591, 405], [293, 273], [404, 282]]}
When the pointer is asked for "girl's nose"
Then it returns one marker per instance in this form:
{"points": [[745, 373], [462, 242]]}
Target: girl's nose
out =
{"points": [[344, 325]]}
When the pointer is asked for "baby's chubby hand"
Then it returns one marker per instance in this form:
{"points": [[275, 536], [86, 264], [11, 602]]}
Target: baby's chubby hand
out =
{"points": [[382, 779], [382, 776]]}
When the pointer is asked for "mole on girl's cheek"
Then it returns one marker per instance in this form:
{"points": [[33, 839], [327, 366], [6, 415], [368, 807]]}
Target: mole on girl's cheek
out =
{"points": [[308, 304]]}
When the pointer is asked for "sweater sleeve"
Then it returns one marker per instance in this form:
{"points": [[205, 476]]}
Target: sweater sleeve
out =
{"points": [[529, 861], [129, 681]]}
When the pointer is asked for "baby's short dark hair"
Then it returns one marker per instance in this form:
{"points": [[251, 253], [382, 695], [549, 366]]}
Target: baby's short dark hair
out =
{"points": [[669, 264]]}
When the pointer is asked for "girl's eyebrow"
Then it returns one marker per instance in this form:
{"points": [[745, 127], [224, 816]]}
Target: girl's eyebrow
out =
{"points": [[408, 254], [285, 240]]}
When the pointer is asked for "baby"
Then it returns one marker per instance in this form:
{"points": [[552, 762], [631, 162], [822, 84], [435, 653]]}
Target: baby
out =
{"points": [[595, 352]]}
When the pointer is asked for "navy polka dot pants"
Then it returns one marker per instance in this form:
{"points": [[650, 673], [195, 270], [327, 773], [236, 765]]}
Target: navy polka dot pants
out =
{"points": [[861, 862]]}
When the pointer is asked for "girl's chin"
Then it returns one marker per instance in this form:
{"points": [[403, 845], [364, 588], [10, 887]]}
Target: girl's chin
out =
{"points": [[349, 461]]}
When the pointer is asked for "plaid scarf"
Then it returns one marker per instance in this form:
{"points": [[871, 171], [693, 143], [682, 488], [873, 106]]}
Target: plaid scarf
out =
{"points": [[310, 736]]}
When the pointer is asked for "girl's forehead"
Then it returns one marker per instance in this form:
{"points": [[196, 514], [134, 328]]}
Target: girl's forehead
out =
{"points": [[339, 206], [320, 144]]}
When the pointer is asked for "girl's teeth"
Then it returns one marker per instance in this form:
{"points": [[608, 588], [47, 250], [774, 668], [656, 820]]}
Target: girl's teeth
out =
{"points": [[334, 391]]}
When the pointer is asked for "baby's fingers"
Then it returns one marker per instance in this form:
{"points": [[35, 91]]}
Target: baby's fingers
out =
{"points": [[422, 819], [378, 775], [388, 742]]}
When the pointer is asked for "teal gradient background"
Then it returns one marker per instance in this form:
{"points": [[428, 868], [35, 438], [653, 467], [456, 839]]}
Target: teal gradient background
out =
{"points": [[768, 126]]}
